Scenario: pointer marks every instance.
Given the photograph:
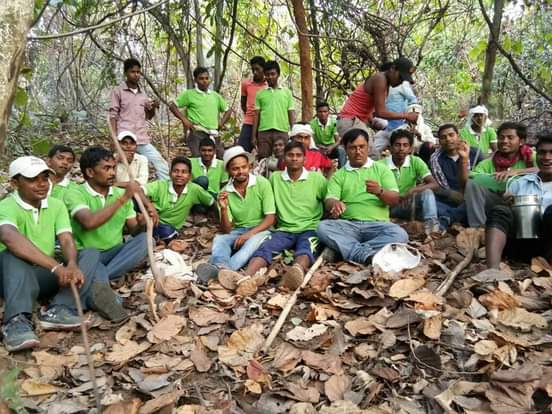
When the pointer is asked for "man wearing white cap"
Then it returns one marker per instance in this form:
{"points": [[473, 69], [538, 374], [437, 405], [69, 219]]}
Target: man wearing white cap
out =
{"points": [[30, 221], [314, 159], [137, 164], [247, 211], [477, 133]]}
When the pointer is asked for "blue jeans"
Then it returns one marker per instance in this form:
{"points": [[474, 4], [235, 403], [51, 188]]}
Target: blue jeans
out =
{"points": [[449, 214], [223, 247], [164, 232], [117, 261], [245, 137], [426, 207], [358, 241], [304, 244], [159, 163]]}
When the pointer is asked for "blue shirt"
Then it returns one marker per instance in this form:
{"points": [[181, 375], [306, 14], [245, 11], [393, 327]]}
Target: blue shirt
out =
{"points": [[531, 184], [450, 167]]}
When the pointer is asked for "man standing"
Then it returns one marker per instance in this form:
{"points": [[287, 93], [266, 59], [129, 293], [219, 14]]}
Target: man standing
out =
{"points": [[247, 211], [60, 160], [358, 199], [476, 132], [368, 99], [129, 111], [447, 166], [501, 226], [274, 113], [325, 134], [30, 222], [203, 108], [137, 164], [488, 179], [249, 89]]}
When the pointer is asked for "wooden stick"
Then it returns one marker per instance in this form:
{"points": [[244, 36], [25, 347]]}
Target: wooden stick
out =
{"points": [[149, 224], [451, 277], [291, 301], [86, 344]]}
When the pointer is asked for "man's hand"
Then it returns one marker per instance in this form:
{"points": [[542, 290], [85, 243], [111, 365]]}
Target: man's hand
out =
{"points": [[68, 274], [132, 188], [187, 124], [411, 117], [151, 104], [505, 175], [223, 200], [463, 150], [152, 213], [338, 208], [240, 241], [373, 187]]}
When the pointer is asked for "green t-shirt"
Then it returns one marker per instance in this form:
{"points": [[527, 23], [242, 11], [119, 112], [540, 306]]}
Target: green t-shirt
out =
{"points": [[203, 107], [174, 209], [324, 135], [349, 186], [216, 173], [484, 143], [299, 204], [413, 170], [273, 106], [109, 234], [483, 172], [258, 202], [58, 190], [40, 226]]}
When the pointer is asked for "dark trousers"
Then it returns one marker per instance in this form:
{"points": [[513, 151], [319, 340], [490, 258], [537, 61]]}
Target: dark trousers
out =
{"points": [[245, 137], [117, 261], [304, 244], [195, 137], [265, 141]]}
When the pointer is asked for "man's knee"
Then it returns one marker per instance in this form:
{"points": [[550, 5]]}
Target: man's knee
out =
{"points": [[397, 233], [202, 181]]}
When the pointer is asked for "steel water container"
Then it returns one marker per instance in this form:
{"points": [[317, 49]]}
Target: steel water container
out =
{"points": [[527, 214]]}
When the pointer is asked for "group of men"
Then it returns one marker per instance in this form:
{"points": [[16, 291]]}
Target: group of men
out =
{"points": [[310, 184]]}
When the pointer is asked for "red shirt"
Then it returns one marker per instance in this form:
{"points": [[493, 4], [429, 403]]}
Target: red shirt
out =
{"points": [[249, 89], [358, 105], [316, 161]]}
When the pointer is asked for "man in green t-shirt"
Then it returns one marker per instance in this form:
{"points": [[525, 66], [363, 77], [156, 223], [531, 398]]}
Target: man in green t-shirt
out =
{"points": [[299, 196], [325, 134], [358, 199], [207, 170], [30, 222], [100, 212], [60, 159], [488, 179], [247, 211], [477, 133], [274, 113], [416, 184], [174, 199], [203, 108]]}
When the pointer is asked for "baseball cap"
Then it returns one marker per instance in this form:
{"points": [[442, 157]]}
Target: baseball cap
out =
{"points": [[234, 152], [406, 68], [124, 134], [28, 166]]}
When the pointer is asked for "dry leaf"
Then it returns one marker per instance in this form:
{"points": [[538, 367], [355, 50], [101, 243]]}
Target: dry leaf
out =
{"points": [[200, 359], [497, 299], [521, 319], [286, 358], [485, 347], [278, 301], [172, 287], [540, 264], [242, 345], [126, 332], [122, 353], [202, 316], [153, 406], [386, 373], [300, 333], [149, 292], [51, 366], [404, 287], [360, 326], [166, 328], [305, 394], [328, 363], [321, 312], [253, 386], [491, 275], [123, 407], [433, 326], [178, 246], [336, 387], [31, 388], [469, 239], [427, 357], [426, 298]]}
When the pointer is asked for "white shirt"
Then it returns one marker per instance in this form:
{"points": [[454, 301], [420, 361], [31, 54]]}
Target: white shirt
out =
{"points": [[139, 168]]}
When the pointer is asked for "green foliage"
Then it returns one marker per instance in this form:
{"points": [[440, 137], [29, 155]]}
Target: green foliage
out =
{"points": [[9, 391]]}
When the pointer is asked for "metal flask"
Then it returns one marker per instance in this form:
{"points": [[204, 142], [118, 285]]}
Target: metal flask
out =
{"points": [[527, 214]]}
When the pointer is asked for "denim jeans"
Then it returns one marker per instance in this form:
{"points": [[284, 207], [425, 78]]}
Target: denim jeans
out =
{"points": [[223, 247], [358, 241], [117, 261], [159, 163], [449, 214], [426, 207]]}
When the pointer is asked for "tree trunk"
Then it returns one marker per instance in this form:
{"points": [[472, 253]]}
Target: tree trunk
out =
{"points": [[490, 53], [317, 56], [200, 57], [16, 17], [219, 33], [305, 59]]}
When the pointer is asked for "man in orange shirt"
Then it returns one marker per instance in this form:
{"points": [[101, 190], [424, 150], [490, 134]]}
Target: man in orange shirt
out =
{"points": [[249, 89]]}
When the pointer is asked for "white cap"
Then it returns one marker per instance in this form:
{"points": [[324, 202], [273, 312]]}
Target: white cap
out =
{"points": [[234, 152], [479, 109], [123, 134], [28, 167], [301, 129]]}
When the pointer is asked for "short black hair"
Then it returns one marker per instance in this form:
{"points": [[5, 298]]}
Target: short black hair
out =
{"points": [[353, 134], [271, 64], [446, 126], [92, 157], [60, 148], [199, 70], [294, 144], [401, 133], [322, 104], [206, 142], [181, 160], [257, 60], [385, 66], [130, 63], [521, 130], [544, 137]]}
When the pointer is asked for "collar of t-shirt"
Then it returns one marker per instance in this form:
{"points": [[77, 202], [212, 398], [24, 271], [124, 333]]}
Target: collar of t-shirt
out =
{"points": [[369, 162], [213, 164], [207, 92], [128, 88], [304, 175], [26, 206], [277, 87], [230, 186], [328, 122], [174, 194], [392, 165], [94, 193], [453, 157], [63, 183]]}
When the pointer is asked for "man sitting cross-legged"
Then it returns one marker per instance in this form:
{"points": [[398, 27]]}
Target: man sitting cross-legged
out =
{"points": [[501, 226], [358, 199], [299, 195], [207, 170], [247, 211], [30, 221], [100, 212], [414, 179], [60, 160], [174, 198]]}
